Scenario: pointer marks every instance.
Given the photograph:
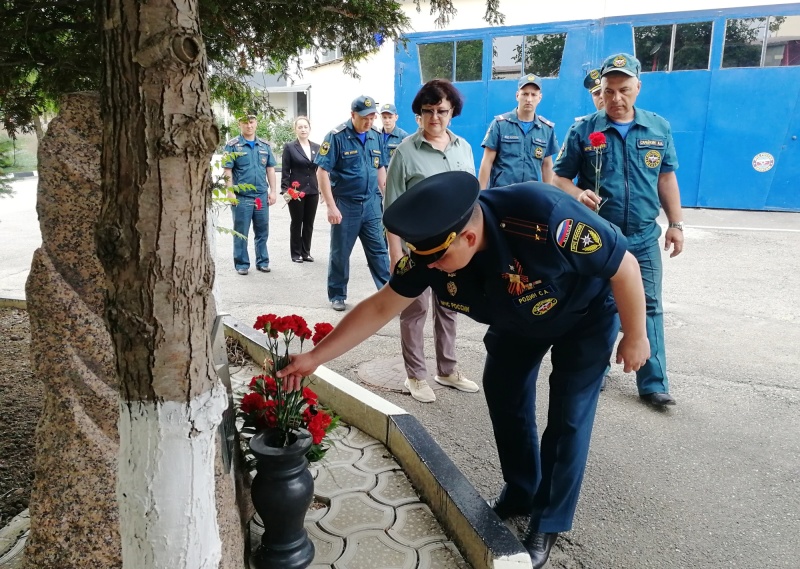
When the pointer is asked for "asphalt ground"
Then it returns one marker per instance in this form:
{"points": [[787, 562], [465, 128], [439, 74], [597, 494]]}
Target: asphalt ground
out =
{"points": [[709, 483]]}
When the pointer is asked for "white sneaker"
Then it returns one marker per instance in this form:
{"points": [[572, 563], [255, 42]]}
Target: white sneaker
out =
{"points": [[420, 390], [458, 381]]}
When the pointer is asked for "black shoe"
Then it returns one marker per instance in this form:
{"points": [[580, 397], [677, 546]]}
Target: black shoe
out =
{"points": [[506, 509], [539, 545], [658, 399], [297, 259], [308, 259], [264, 269], [338, 305], [241, 271]]}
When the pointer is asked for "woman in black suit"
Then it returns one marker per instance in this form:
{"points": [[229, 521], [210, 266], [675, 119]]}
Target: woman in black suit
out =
{"points": [[298, 166]]}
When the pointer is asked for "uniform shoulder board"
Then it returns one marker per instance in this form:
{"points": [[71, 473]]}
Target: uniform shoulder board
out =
{"points": [[232, 141], [263, 141], [579, 119], [339, 128], [500, 118], [549, 123]]}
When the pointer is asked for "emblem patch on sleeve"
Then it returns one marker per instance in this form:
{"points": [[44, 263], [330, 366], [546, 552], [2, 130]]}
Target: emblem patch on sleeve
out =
{"points": [[403, 266], [585, 240], [543, 306], [323, 149], [562, 233], [376, 161], [652, 159]]}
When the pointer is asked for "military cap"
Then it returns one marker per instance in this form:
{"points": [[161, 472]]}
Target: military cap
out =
{"points": [[529, 79], [429, 216], [247, 115], [388, 108], [364, 106], [592, 80], [623, 63]]}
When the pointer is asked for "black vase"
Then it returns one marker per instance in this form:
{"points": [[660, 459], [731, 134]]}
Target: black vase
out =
{"points": [[282, 491]]}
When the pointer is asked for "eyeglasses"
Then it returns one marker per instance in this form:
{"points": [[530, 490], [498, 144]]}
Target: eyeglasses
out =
{"points": [[435, 112]]}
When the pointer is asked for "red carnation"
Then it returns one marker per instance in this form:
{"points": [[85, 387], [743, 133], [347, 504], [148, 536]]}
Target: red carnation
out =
{"points": [[309, 396], [302, 194], [295, 184], [253, 402], [259, 205], [320, 331], [597, 139]]}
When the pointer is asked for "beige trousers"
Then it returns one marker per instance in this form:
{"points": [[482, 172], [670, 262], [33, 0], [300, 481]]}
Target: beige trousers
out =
{"points": [[412, 337]]}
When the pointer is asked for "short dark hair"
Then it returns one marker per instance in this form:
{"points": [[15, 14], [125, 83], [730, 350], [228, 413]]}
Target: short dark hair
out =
{"points": [[435, 91]]}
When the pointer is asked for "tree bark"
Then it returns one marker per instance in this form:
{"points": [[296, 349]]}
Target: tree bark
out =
{"points": [[158, 136]]}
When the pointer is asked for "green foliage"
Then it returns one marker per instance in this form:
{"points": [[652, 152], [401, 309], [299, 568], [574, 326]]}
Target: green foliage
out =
{"points": [[6, 149], [278, 133], [52, 47]]}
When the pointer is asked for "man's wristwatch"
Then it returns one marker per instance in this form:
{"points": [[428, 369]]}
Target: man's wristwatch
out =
{"points": [[678, 225]]}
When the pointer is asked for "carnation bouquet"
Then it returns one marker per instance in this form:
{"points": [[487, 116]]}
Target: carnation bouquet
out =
{"points": [[293, 193], [267, 404]]}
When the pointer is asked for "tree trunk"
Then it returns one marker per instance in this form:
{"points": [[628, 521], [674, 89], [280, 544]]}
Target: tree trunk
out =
{"points": [[37, 126], [158, 136]]}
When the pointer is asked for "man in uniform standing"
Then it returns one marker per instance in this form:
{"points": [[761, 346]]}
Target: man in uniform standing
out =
{"points": [[392, 135], [519, 146], [538, 268], [592, 84], [351, 169], [637, 164], [255, 165]]}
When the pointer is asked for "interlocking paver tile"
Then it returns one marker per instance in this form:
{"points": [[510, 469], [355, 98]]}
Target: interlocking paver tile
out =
{"points": [[376, 459], [342, 479], [338, 453], [394, 489], [355, 512], [339, 432], [358, 439], [316, 512], [416, 526], [327, 548], [372, 550], [441, 555]]}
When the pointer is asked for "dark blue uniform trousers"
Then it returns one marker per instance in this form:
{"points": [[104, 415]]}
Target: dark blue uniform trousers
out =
{"points": [[547, 478]]}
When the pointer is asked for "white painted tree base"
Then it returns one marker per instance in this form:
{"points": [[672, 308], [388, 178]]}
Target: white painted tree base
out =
{"points": [[165, 489]]}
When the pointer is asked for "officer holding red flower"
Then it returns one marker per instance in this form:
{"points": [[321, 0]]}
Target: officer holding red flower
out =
{"points": [[625, 161], [538, 268]]}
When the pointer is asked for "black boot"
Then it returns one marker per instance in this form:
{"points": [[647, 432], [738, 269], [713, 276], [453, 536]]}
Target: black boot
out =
{"points": [[539, 545]]}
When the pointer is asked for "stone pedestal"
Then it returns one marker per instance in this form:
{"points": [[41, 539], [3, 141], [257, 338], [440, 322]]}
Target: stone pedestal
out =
{"points": [[74, 515]]}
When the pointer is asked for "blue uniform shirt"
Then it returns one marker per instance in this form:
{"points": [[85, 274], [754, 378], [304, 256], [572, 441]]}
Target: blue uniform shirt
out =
{"points": [[548, 260], [251, 166], [353, 166], [629, 167], [392, 141], [519, 154]]}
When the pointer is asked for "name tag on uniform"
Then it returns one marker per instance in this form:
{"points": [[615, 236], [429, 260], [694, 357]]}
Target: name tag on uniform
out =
{"points": [[540, 141], [510, 137], [349, 152], [650, 142]]}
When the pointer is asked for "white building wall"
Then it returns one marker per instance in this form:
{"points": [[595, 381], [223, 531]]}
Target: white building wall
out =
{"points": [[332, 91]]}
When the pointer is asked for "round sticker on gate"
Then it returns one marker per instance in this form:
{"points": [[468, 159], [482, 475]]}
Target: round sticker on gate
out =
{"points": [[763, 162]]}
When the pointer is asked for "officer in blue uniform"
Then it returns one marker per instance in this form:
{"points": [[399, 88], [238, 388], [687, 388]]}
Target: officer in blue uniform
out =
{"points": [[592, 84], [538, 267], [519, 146], [637, 178], [352, 168], [253, 164], [391, 134]]}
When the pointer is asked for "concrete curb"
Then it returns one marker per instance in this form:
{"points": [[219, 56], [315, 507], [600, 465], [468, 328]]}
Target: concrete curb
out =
{"points": [[13, 302], [482, 537]]}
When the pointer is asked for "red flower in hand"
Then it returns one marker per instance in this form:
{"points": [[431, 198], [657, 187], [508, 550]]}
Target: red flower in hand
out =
{"points": [[597, 139], [295, 184], [259, 205], [320, 331], [302, 194]]}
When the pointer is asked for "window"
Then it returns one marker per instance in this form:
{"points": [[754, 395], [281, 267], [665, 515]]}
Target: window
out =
{"points": [[454, 61], [513, 56], [328, 55], [673, 47], [772, 41]]}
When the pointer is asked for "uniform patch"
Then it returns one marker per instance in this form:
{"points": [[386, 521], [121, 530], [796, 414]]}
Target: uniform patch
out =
{"points": [[591, 148], [452, 288], [594, 74], [263, 160], [323, 149], [562, 232], [543, 306], [561, 151], [367, 102], [649, 142], [652, 159], [386, 107], [403, 266], [585, 240], [547, 122], [620, 62], [538, 153]]}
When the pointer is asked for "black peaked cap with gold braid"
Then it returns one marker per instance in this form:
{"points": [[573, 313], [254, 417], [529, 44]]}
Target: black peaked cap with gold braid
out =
{"points": [[429, 216]]}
